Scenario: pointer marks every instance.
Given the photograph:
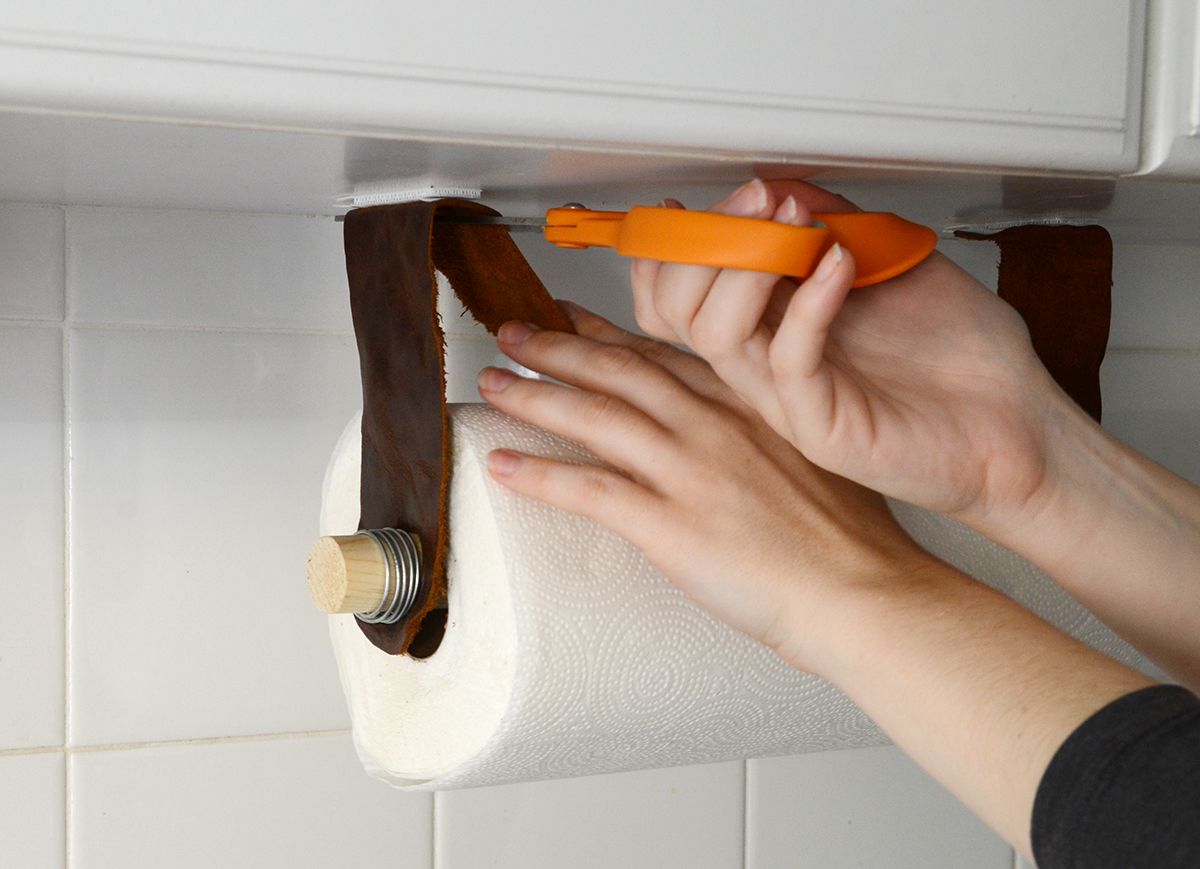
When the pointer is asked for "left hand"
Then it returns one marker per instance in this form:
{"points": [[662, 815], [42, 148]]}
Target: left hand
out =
{"points": [[716, 500]]}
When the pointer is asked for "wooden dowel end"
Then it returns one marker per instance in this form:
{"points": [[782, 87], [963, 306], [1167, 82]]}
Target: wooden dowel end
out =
{"points": [[346, 574]]}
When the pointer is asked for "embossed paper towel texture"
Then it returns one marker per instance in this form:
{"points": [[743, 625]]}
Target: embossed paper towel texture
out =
{"points": [[567, 654]]}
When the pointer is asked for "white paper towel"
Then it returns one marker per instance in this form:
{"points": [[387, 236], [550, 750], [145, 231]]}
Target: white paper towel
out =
{"points": [[567, 654]]}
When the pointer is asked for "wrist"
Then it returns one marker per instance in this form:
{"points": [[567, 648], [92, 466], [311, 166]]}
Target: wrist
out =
{"points": [[973, 687], [1094, 493], [1120, 533], [1078, 461], [820, 629]]}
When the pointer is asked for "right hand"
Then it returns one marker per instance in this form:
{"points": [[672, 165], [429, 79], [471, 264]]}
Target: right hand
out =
{"points": [[925, 387]]}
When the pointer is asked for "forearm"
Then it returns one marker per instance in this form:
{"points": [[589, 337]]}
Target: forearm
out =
{"points": [[1121, 534], [977, 690]]}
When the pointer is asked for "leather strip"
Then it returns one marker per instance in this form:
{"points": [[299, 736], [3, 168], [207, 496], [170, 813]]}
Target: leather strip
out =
{"points": [[1059, 278], [392, 252]]}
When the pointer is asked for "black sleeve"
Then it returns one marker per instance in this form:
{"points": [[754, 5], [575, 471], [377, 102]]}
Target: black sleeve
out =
{"points": [[1124, 789]]}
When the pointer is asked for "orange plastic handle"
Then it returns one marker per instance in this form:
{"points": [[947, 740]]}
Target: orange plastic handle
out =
{"points": [[883, 245]]}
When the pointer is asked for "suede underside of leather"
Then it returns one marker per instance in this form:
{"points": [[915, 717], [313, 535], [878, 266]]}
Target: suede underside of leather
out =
{"points": [[392, 252]]}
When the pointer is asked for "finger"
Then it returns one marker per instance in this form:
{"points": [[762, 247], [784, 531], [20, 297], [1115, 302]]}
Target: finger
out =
{"points": [[610, 369], [642, 275], [780, 296], [599, 494], [693, 371], [680, 290], [608, 426], [814, 198], [731, 333], [735, 305], [803, 376]]}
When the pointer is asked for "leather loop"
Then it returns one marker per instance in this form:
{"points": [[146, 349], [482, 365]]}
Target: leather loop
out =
{"points": [[392, 252], [1059, 278]]}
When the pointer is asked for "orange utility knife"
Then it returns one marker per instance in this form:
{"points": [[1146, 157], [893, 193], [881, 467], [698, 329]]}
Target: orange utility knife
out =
{"points": [[883, 245]]}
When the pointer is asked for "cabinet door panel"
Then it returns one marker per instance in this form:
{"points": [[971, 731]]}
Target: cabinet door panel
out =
{"points": [[858, 80]]}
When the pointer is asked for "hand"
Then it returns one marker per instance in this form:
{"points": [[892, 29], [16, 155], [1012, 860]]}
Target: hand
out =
{"points": [[722, 505], [925, 387], [802, 560]]}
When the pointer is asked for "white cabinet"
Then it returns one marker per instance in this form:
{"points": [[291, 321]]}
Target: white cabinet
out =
{"points": [[1172, 112], [1023, 85]]}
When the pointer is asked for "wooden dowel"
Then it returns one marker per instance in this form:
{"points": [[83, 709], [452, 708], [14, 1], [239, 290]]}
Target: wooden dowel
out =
{"points": [[346, 574]]}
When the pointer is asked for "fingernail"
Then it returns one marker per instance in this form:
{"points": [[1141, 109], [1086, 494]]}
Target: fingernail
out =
{"points": [[788, 212], [516, 332], [495, 379], [829, 263], [749, 200], [502, 463]]}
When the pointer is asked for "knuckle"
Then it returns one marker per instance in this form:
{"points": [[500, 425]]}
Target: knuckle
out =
{"points": [[657, 329], [645, 321], [646, 315], [545, 341], [600, 411], [711, 340], [642, 273], [782, 363], [594, 486], [655, 351], [676, 314], [614, 360]]}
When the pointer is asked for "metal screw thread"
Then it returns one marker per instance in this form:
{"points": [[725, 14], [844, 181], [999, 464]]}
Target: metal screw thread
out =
{"points": [[402, 557]]}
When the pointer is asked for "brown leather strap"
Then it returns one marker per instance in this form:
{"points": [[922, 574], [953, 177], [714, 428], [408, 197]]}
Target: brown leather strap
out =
{"points": [[1059, 278], [391, 254]]}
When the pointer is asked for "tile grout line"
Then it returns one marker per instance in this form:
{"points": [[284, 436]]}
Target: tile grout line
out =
{"points": [[202, 328], [68, 795], [746, 814], [1153, 351], [69, 750], [31, 322], [210, 212], [203, 740], [32, 751], [436, 798], [99, 748]]}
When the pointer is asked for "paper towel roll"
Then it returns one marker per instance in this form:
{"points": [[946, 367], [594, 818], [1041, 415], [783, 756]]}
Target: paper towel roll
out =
{"points": [[567, 654]]}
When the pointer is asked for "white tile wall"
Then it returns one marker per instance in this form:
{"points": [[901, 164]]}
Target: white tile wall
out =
{"points": [[31, 559], [683, 818], [197, 459], [1155, 297], [280, 803], [158, 267], [209, 369], [867, 807], [1152, 401], [31, 262], [32, 811]]}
